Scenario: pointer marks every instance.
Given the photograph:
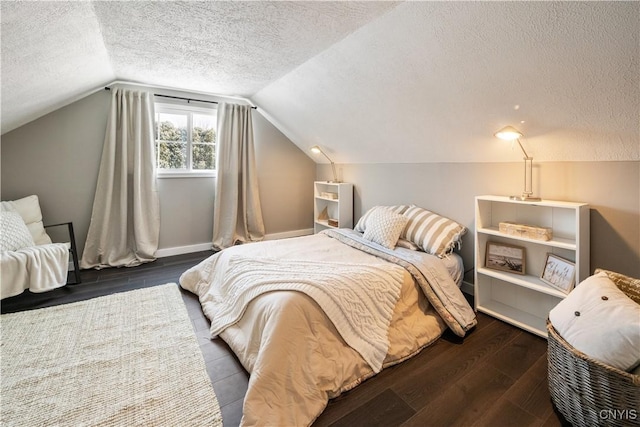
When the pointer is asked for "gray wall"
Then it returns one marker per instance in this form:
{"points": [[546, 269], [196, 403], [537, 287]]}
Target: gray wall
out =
{"points": [[611, 188], [57, 157]]}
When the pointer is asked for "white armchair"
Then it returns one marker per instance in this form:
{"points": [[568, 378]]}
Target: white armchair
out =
{"points": [[28, 257]]}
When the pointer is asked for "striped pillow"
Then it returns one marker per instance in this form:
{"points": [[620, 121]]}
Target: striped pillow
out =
{"points": [[361, 226], [433, 233], [404, 243]]}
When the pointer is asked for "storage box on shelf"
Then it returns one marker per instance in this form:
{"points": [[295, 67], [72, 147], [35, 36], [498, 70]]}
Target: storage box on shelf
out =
{"points": [[525, 300], [332, 205]]}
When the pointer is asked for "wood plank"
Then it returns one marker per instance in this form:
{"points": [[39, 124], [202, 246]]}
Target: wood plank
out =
{"points": [[462, 403], [231, 388], [346, 402], [386, 409], [507, 414], [432, 379], [232, 413], [223, 367], [531, 392], [517, 356]]}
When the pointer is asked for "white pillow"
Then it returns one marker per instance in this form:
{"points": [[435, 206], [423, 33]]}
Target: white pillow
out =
{"points": [[384, 227], [361, 225], [599, 320], [14, 233], [29, 209]]}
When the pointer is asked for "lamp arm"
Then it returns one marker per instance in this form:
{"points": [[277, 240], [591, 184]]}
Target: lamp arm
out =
{"points": [[333, 165], [522, 148], [335, 176], [324, 154], [528, 173]]}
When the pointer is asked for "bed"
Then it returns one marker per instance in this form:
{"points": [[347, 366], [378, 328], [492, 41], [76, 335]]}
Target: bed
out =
{"points": [[312, 317]]}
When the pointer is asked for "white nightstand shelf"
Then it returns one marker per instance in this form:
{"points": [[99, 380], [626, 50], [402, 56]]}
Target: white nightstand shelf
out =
{"points": [[338, 207], [525, 300], [526, 281], [556, 242]]}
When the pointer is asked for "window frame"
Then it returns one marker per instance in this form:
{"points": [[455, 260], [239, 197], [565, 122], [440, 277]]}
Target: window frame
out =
{"points": [[190, 110]]}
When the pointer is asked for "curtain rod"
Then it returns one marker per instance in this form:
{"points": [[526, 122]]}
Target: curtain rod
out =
{"points": [[182, 98]]}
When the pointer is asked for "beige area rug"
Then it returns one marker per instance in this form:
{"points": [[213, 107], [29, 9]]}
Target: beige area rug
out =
{"points": [[121, 360]]}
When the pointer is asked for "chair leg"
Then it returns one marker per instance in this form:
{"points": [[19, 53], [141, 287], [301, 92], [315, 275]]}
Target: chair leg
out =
{"points": [[74, 255], [73, 251]]}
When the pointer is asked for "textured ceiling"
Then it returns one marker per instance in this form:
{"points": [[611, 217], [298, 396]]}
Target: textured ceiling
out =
{"points": [[432, 82], [232, 48], [371, 82], [53, 52]]}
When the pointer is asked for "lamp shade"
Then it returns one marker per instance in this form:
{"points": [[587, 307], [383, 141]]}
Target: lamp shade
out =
{"points": [[508, 133]]}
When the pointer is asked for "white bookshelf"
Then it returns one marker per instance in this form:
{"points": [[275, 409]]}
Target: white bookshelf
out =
{"points": [[337, 199], [525, 300]]}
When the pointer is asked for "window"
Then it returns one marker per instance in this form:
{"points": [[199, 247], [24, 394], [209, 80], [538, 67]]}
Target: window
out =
{"points": [[185, 140]]}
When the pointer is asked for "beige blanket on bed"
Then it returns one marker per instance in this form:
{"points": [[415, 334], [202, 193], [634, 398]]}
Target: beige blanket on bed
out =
{"points": [[358, 298], [296, 357]]}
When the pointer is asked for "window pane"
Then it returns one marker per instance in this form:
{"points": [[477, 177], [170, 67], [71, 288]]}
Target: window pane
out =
{"points": [[173, 127], [203, 156], [173, 155], [204, 128], [185, 138]]}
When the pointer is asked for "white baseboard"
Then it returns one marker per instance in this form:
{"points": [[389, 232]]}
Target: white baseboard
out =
{"points": [[179, 250], [288, 234], [467, 288]]}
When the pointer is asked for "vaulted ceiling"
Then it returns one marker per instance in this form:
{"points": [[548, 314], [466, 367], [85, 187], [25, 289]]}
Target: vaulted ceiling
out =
{"points": [[55, 51], [371, 82]]}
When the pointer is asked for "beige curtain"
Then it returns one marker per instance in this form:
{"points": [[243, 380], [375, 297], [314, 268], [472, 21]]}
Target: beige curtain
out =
{"points": [[237, 215], [125, 221]]}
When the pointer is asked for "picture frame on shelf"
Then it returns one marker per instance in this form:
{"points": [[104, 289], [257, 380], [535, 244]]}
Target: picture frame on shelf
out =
{"points": [[505, 257], [559, 273]]}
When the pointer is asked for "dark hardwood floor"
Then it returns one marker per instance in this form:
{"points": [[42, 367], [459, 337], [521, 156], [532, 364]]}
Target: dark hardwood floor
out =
{"points": [[496, 376]]}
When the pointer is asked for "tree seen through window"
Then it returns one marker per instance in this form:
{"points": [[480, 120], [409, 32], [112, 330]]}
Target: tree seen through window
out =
{"points": [[185, 140]]}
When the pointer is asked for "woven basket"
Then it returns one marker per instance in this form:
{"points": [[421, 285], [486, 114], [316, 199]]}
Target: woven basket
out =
{"points": [[588, 392]]}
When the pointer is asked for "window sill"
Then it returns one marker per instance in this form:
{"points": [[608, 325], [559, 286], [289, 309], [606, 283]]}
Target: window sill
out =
{"points": [[163, 175]]}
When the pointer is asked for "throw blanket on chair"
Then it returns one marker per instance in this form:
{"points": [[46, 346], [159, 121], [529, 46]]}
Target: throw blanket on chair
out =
{"points": [[359, 299], [37, 268]]}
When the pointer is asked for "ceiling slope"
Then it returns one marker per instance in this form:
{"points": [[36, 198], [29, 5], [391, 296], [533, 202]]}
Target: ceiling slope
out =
{"points": [[228, 48], [432, 82], [53, 51]]}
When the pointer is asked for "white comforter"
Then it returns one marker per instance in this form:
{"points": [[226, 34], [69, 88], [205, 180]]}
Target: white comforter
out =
{"points": [[295, 355]]}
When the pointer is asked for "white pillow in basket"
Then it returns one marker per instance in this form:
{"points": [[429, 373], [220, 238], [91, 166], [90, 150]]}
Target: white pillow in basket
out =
{"points": [[14, 233], [599, 320], [384, 227]]}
